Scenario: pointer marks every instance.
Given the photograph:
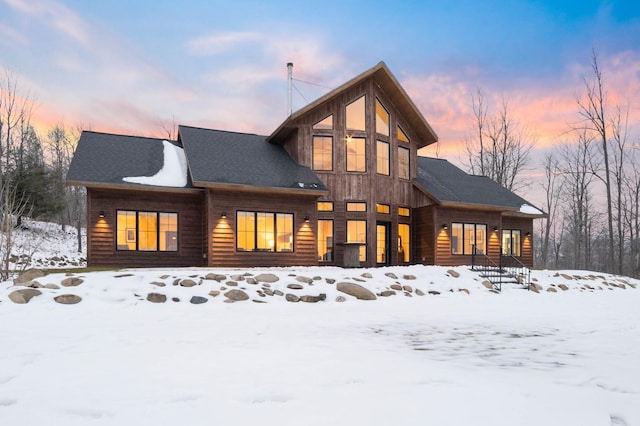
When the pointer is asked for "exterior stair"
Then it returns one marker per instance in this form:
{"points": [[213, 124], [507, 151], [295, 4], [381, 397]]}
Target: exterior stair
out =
{"points": [[509, 271]]}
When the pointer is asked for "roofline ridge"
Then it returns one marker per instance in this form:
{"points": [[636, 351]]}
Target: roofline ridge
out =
{"points": [[129, 136], [220, 130]]}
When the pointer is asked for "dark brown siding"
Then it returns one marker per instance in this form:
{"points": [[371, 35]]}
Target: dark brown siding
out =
{"points": [[423, 236], [101, 250], [525, 226], [222, 236]]}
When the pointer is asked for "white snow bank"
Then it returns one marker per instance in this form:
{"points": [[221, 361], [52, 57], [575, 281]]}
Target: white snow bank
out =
{"points": [[528, 209], [173, 172]]}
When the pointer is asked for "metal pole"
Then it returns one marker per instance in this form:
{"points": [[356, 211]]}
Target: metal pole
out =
{"points": [[289, 87]]}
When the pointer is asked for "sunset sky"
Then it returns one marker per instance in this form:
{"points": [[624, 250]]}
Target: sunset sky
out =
{"points": [[137, 66]]}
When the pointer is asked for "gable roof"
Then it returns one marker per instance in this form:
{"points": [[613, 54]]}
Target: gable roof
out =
{"points": [[105, 159], [392, 88], [244, 161], [450, 186]]}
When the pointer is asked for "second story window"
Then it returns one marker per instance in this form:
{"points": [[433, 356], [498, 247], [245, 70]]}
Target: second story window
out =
{"points": [[356, 115], [382, 158], [356, 154], [382, 119], [322, 153], [403, 163]]}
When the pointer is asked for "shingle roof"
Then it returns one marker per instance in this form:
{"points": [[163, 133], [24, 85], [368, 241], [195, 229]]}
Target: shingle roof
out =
{"points": [[450, 185], [228, 158], [105, 159]]}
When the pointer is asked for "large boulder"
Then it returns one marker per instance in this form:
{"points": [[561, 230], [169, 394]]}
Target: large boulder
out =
{"points": [[29, 275], [356, 290], [71, 282], [236, 295], [23, 296], [266, 278]]}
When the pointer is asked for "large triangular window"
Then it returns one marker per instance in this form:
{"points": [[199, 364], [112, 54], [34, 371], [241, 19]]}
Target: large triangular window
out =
{"points": [[325, 124], [355, 115], [382, 119], [402, 136]]}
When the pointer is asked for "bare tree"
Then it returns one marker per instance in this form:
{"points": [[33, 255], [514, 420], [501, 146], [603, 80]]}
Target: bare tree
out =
{"points": [[551, 187], [501, 147], [12, 206]]}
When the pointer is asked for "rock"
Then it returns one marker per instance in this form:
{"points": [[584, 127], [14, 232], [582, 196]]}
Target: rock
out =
{"points": [[407, 288], [31, 284], [366, 275], [391, 275], [340, 299], [236, 295], [292, 298], [330, 280], [419, 292], [408, 294], [156, 298], [397, 287], [176, 281], [198, 300], [251, 281], [123, 276], [214, 293], [536, 288], [68, 299], [295, 287], [52, 286], [157, 283], [409, 277], [563, 287], [453, 273], [356, 291], [317, 278], [29, 275], [267, 291], [463, 290], [313, 299], [278, 293], [487, 284], [434, 292], [219, 277], [71, 282], [231, 283], [187, 282], [267, 278], [566, 277], [258, 301], [552, 290], [175, 299], [23, 296], [387, 293], [237, 277], [164, 277], [303, 279]]}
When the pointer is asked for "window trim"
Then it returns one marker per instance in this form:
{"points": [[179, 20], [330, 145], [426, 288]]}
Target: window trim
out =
{"points": [[327, 203], [313, 152], [383, 206], [408, 151], [388, 162], [519, 246], [136, 231], [353, 205], [352, 139], [256, 249], [475, 233]]}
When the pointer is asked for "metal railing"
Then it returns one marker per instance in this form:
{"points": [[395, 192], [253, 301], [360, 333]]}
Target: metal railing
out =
{"points": [[508, 270]]}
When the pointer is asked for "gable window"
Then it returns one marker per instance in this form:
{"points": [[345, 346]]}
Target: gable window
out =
{"points": [[322, 153], [325, 206], [402, 136], [382, 119], [404, 253], [146, 231], [357, 233], [403, 162], [382, 158], [264, 231], [356, 207], [356, 156], [325, 124], [325, 240], [511, 242], [383, 208], [404, 211], [355, 115], [467, 237]]}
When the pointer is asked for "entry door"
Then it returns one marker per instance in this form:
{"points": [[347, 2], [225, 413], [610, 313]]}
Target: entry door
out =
{"points": [[382, 243]]}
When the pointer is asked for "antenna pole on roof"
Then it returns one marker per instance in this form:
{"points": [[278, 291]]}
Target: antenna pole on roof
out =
{"points": [[289, 85]]}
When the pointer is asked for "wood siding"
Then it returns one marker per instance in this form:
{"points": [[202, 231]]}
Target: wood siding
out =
{"points": [[525, 225], [221, 232], [101, 246]]}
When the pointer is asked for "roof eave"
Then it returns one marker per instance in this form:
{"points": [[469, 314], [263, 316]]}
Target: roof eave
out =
{"points": [[132, 187], [253, 189]]}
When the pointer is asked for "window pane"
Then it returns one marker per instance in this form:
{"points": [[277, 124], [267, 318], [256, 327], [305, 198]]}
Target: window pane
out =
{"points": [[402, 136], [284, 226], [356, 207], [168, 231], [265, 231], [382, 158], [383, 208], [355, 114], [403, 242], [403, 163], [403, 211], [126, 233], [147, 231], [325, 240], [506, 242], [326, 124], [456, 238], [382, 119], [322, 153], [357, 233], [516, 242], [325, 206], [381, 243], [246, 226], [469, 238], [356, 158], [481, 239]]}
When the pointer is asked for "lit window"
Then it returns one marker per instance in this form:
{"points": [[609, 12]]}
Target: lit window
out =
{"points": [[356, 207], [383, 208], [404, 211], [356, 156], [467, 237], [146, 231], [381, 243], [382, 158], [402, 136], [403, 163], [325, 206], [382, 119], [357, 233], [262, 231], [325, 124], [511, 242], [325, 240], [322, 153], [404, 232], [355, 114]]}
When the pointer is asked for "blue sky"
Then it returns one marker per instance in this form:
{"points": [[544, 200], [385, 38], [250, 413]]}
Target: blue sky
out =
{"points": [[137, 66]]}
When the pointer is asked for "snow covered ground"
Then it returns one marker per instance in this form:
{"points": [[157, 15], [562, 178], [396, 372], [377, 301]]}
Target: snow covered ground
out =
{"points": [[456, 355]]}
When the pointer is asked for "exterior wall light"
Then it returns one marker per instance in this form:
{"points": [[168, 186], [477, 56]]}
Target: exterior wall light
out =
{"points": [[445, 226], [495, 228], [528, 234], [306, 219], [223, 215], [101, 214]]}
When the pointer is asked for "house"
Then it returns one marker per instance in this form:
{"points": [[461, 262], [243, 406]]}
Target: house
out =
{"points": [[339, 182]]}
